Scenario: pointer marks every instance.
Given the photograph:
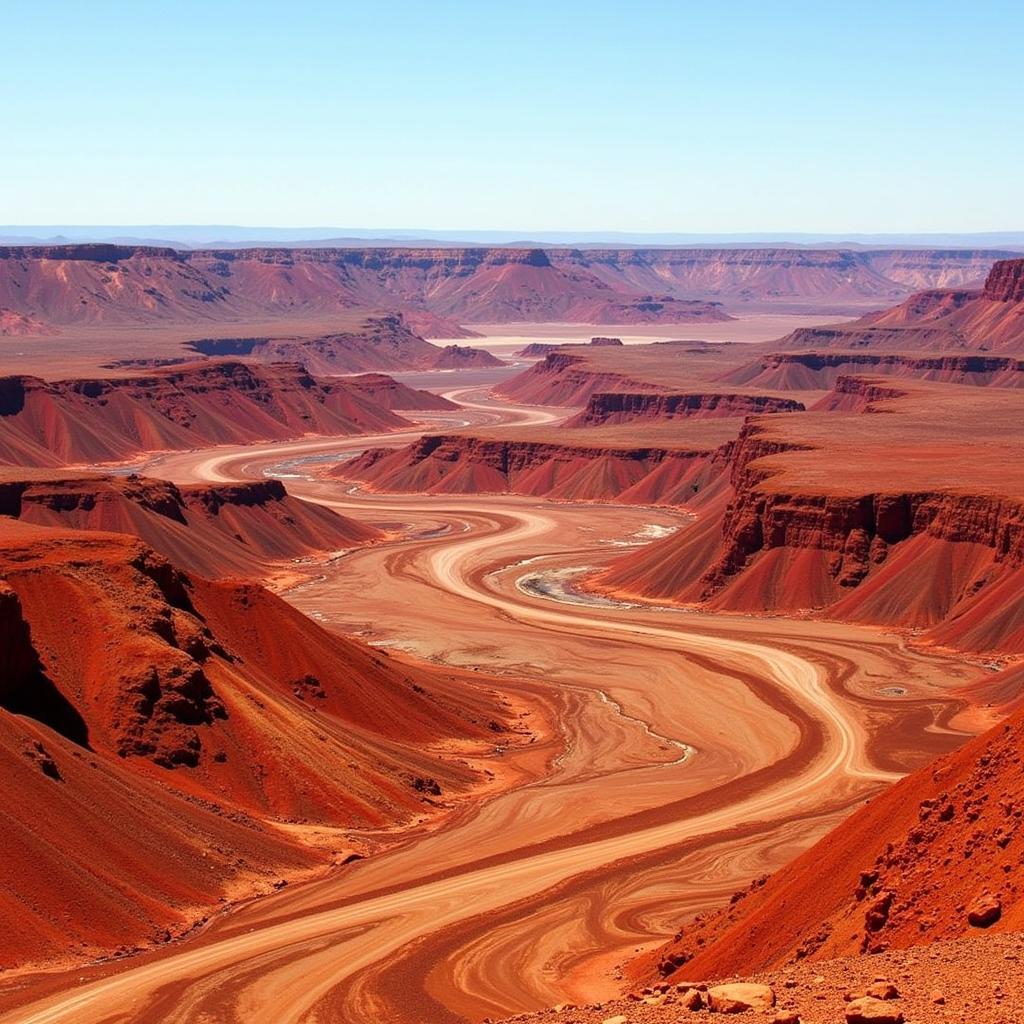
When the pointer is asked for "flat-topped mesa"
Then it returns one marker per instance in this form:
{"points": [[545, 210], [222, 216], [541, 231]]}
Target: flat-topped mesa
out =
{"points": [[218, 530], [628, 407], [802, 371], [565, 378], [74, 422], [457, 357], [902, 519], [577, 468]]}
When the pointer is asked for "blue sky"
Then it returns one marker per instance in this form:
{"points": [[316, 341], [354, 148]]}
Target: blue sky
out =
{"points": [[639, 116]]}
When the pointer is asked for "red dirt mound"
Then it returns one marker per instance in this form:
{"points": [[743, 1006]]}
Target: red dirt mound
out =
{"points": [[459, 357], [138, 701], [92, 421]]}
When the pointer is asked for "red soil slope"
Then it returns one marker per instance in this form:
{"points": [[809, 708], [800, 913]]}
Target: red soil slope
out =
{"points": [[376, 343], [388, 393], [457, 357], [224, 530], [918, 864], [86, 421], [138, 701], [781, 371], [631, 407], [571, 465], [990, 320], [908, 512], [18, 325]]}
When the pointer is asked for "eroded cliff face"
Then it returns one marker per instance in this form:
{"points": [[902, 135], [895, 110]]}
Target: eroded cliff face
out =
{"points": [[1005, 282], [77, 284], [462, 464], [944, 560], [217, 530], [627, 407]]}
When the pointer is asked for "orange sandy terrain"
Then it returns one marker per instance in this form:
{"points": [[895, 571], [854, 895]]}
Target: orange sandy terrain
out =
{"points": [[682, 622]]}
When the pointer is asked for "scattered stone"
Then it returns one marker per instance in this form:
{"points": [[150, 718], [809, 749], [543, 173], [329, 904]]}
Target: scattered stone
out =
{"points": [[618, 1019], [740, 997], [692, 999], [938, 998], [869, 1010], [786, 1017], [882, 989]]}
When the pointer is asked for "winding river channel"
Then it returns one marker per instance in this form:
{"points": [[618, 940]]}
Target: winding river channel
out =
{"points": [[691, 753]]}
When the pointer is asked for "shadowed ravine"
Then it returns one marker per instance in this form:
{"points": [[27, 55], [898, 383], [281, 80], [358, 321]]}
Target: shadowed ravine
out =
{"points": [[696, 752]]}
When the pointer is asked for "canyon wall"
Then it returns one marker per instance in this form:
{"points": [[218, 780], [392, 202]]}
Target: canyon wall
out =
{"points": [[76, 284]]}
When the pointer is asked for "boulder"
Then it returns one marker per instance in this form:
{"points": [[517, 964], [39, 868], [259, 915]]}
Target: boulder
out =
{"points": [[868, 1010], [984, 911], [740, 997]]}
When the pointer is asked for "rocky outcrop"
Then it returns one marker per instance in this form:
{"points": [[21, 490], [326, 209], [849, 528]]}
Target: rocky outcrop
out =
{"points": [[1005, 282], [857, 394], [74, 422], [539, 349], [628, 407]]}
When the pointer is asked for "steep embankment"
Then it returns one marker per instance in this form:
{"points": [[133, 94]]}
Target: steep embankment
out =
{"points": [[572, 466], [808, 371], [457, 357], [223, 530], [539, 349], [900, 509], [987, 320], [605, 408], [137, 701], [935, 857], [88, 421]]}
